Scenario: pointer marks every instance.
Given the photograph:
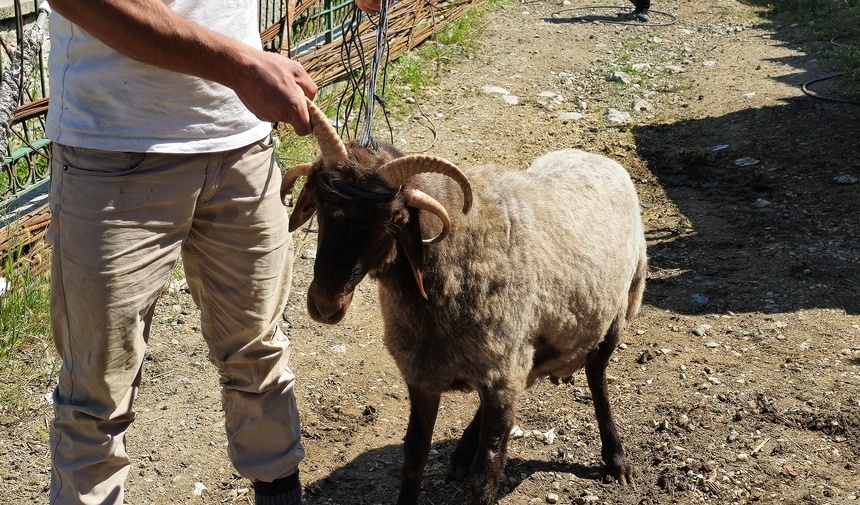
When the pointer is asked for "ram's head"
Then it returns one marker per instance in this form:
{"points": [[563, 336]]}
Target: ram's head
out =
{"points": [[366, 206]]}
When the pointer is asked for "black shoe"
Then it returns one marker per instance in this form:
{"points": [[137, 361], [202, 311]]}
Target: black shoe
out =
{"points": [[285, 491], [641, 16]]}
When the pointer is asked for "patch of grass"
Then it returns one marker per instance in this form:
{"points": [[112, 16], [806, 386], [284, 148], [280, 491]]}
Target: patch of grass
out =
{"points": [[26, 351], [418, 69], [24, 305], [823, 20]]}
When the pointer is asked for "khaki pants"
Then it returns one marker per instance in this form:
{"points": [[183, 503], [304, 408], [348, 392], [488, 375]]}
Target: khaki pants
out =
{"points": [[119, 223]]}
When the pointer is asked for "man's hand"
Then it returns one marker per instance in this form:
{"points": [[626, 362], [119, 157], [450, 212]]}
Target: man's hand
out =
{"points": [[275, 89]]}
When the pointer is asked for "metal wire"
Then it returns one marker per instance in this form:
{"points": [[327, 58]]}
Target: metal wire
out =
{"points": [[363, 79], [621, 18]]}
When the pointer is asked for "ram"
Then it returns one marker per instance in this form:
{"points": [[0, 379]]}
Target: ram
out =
{"points": [[536, 277]]}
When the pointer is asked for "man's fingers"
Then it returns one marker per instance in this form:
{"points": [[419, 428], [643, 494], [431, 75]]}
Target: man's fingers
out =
{"points": [[300, 119]]}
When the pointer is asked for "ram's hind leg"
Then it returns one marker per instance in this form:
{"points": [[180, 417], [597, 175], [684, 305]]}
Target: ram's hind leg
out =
{"points": [[466, 449], [424, 407], [595, 371], [497, 411]]}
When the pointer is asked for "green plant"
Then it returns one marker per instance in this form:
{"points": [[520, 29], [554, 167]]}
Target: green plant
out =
{"points": [[417, 69], [823, 21], [24, 306]]}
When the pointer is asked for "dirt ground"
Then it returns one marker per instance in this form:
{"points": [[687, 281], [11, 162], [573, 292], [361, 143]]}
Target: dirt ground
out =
{"points": [[738, 383]]}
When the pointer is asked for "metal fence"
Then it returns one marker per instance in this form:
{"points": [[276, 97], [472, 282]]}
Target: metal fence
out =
{"points": [[24, 167]]}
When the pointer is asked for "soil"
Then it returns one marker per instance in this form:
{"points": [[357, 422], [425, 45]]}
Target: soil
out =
{"points": [[738, 383]]}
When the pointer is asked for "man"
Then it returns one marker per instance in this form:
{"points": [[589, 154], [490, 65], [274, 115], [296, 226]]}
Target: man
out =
{"points": [[640, 13], [160, 116]]}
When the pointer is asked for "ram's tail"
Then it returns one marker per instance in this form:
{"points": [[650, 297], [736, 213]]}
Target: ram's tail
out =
{"points": [[637, 286]]}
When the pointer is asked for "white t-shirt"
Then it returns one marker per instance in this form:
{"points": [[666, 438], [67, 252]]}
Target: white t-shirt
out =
{"points": [[101, 99]]}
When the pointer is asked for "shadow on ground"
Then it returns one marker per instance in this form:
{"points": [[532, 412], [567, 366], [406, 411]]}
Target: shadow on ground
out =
{"points": [[770, 199], [378, 471]]}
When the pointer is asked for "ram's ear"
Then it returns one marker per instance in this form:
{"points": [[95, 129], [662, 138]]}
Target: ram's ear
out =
{"points": [[304, 210], [409, 238]]}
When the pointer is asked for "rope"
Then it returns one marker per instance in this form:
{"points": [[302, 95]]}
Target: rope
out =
{"points": [[363, 79], [366, 137], [620, 18], [809, 93]]}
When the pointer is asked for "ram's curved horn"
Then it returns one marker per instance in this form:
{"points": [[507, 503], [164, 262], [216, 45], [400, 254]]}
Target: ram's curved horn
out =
{"points": [[397, 172], [290, 178], [331, 146], [423, 201]]}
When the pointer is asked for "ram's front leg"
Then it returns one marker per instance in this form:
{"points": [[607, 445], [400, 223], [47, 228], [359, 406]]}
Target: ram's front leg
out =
{"points": [[416, 444], [498, 405]]}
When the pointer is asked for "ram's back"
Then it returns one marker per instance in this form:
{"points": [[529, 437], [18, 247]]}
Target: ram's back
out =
{"points": [[542, 264]]}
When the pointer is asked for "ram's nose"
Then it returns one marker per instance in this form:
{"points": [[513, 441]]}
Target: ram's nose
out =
{"points": [[327, 308]]}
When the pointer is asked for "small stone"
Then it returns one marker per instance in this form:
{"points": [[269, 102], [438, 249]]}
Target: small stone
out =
{"points": [[746, 162], [551, 498], [701, 330], [617, 117], [569, 116], [742, 457], [712, 345], [495, 90], [510, 99], [639, 104], [846, 179], [199, 487], [619, 76]]}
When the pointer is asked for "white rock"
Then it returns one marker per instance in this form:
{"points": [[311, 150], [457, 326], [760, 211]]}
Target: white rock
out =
{"points": [[746, 162], [701, 330], [174, 287], [619, 76], [495, 89], [839, 179], [617, 117], [510, 99], [569, 116], [199, 487], [640, 104]]}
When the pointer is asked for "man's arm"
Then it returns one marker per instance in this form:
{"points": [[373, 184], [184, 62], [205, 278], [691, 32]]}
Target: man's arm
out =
{"points": [[271, 85]]}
